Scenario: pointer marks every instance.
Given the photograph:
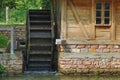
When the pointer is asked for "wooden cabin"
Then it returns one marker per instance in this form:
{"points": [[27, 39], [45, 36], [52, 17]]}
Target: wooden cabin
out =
{"points": [[83, 21], [87, 35], [85, 27]]}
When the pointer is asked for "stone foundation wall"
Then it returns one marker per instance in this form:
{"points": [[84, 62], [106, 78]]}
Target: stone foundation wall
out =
{"points": [[86, 59], [12, 62], [19, 32], [91, 48]]}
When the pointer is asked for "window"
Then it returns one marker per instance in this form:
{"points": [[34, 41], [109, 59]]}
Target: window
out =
{"points": [[103, 12]]}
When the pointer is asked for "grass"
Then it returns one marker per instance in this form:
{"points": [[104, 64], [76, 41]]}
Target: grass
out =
{"points": [[3, 41]]}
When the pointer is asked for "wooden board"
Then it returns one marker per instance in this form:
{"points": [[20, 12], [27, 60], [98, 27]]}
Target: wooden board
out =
{"points": [[103, 33]]}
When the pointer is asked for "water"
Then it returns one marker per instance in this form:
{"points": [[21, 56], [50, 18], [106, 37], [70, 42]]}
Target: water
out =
{"points": [[54, 77]]}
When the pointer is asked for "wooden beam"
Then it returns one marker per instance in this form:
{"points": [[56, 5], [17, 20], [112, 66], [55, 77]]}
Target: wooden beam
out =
{"points": [[78, 19], [93, 20], [64, 19], [113, 21]]}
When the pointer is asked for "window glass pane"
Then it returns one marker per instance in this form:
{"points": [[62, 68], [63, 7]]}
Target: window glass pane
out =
{"points": [[98, 6], [107, 14], [98, 20], [106, 21], [107, 6], [98, 13]]}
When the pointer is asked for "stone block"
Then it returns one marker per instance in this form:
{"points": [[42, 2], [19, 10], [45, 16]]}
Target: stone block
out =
{"points": [[19, 67], [79, 62], [4, 62], [80, 66], [70, 46], [116, 46], [99, 50], [94, 46], [75, 50], [62, 66], [17, 62], [84, 50], [67, 50], [110, 46], [79, 70], [61, 50], [74, 66], [92, 50], [102, 46], [87, 63], [61, 62], [68, 62], [80, 46], [106, 50], [95, 63], [10, 62], [67, 66], [114, 50], [88, 46], [85, 67]]}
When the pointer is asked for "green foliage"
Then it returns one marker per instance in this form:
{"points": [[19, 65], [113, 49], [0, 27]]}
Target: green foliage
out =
{"points": [[10, 3], [45, 4], [28, 4], [2, 15], [18, 9], [17, 16], [3, 41], [2, 69]]}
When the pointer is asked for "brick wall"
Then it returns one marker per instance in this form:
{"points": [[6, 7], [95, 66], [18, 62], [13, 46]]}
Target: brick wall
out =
{"points": [[86, 59], [12, 62]]}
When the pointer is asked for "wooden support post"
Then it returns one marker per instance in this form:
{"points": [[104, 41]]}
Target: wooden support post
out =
{"points": [[7, 13], [63, 19], [113, 21], [93, 21]]}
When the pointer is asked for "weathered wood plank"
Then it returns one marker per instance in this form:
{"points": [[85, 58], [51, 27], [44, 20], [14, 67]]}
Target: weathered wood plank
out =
{"points": [[78, 19], [63, 19], [82, 41], [113, 22], [93, 21]]}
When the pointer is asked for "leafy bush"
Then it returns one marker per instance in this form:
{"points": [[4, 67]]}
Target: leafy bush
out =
{"points": [[2, 15], [2, 69], [17, 16], [18, 9], [3, 41], [45, 4]]}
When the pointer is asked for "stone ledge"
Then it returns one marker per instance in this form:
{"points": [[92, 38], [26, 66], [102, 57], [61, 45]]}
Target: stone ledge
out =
{"points": [[88, 55], [69, 41], [90, 71]]}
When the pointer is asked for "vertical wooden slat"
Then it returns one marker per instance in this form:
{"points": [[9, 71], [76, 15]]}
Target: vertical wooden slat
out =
{"points": [[63, 19], [113, 22], [93, 20]]}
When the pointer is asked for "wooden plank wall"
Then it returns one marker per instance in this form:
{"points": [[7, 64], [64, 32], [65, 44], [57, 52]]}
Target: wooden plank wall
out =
{"points": [[74, 30]]}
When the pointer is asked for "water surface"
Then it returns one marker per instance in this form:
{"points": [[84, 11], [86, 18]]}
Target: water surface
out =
{"points": [[54, 77]]}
